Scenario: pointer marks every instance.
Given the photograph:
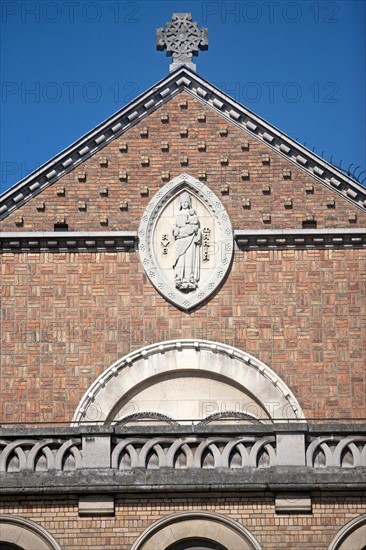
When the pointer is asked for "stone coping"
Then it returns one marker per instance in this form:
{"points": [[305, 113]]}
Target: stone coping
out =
{"points": [[153, 430], [278, 478]]}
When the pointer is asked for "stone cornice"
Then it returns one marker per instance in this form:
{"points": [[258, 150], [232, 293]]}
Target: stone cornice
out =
{"points": [[301, 238], [65, 241], [163, 91], [115, 241]]}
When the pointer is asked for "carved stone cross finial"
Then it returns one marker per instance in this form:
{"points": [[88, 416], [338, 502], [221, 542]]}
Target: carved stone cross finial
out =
{"points": [[182, 39]]}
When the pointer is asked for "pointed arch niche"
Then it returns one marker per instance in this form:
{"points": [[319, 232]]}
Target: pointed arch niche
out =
{"points": [[187, 380]]}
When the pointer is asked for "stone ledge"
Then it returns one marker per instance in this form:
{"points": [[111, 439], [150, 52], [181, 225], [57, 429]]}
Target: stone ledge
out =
{"points": [[68, 241], [106, 481], [300, 238], [296, 426]]}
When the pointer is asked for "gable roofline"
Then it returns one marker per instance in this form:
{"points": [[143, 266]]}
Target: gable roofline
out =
{"points": [[126, 117]]}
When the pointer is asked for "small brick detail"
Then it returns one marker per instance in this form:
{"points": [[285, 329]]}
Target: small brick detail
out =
{"points": [[288, 203], [103, 161], [81, 176], [123, 175], [123, 146]]}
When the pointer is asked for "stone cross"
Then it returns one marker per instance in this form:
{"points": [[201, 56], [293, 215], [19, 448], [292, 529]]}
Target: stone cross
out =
{"points": [[182, 38]]}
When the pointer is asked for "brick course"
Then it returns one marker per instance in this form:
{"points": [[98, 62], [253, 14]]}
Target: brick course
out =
{"points": [[135, 513]]}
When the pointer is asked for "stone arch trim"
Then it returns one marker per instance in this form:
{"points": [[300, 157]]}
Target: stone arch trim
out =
{"points": [[352, 535], [176, 356], [25, 533], [207, 525]]}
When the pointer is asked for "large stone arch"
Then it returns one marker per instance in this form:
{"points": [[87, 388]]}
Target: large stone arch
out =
{"points": [[187, 380], [207, 526], [351, 536], [23, 533]]}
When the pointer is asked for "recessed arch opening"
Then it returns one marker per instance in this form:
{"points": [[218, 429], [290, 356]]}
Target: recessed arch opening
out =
{"points": [[188, 380], [188, 530]]}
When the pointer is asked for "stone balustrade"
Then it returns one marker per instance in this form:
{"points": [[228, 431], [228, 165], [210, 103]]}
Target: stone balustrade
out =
{"points": [[294, 455]]}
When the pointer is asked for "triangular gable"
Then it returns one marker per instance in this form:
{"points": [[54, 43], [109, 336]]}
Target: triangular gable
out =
{"points": [[162, 92]]}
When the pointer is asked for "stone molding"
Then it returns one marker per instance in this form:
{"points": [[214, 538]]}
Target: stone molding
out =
{"points": [[214, 527], [96, 505], [68, 241], [100, 400], [163, 91], [224, 241], [25, 533], [115, 241], [301, 238], [289, 503]]}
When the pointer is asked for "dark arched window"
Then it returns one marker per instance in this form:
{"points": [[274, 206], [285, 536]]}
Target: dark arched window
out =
{"points": [[196, 544]]}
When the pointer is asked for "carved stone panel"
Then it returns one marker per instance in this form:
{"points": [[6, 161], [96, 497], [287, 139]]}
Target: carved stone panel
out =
{"points": [[185, 241]]}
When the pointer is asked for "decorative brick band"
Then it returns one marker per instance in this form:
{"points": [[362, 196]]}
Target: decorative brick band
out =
{"points": [[115, 241], [301, 238], [111, 241]]}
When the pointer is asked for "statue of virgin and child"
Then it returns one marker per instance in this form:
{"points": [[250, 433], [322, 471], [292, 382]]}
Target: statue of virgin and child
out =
{"points": [[188, 240]]}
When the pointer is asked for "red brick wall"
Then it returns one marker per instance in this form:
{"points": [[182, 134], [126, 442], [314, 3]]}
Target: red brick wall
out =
{"points": [[217, 147], [67, 316], [135, 513]]}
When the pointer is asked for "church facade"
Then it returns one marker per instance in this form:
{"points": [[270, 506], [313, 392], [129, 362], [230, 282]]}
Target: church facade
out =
{"points": [[183, 334]]}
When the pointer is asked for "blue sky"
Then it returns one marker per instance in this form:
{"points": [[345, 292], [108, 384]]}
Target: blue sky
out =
{"points": [[68, 65]]}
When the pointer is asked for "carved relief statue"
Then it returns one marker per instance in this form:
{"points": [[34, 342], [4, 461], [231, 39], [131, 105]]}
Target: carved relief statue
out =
{"points": [[188, 240]]}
